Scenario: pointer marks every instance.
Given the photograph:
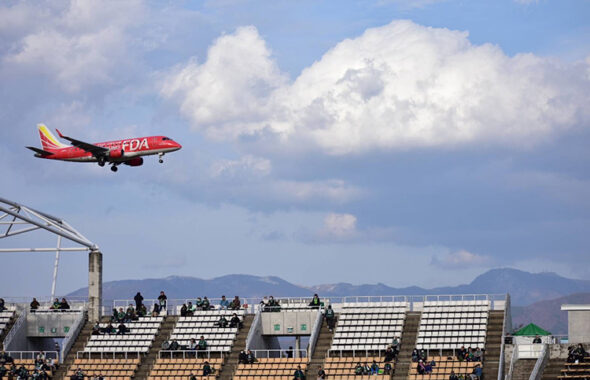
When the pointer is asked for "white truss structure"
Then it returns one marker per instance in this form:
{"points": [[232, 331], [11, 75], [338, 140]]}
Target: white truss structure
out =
{"points": [[17, 219]]}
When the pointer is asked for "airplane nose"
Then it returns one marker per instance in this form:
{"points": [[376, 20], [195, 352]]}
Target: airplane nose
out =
{"points": [[177, 145]]}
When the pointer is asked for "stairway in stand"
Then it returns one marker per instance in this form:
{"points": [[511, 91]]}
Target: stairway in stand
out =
{"points": [[147, 362], [553, 369], [493, 344], [7, 328], [407, 345], [78, 345], [320, 353], [231, 362]]}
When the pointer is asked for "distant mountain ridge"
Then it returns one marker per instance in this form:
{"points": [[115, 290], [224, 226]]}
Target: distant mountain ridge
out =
{"points": [[525, 288]]}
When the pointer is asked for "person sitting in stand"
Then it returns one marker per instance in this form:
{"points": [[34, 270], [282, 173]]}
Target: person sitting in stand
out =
{"points": [[387, 368], [174, 345], [129, 313], [34, 305], [395, 345], [156, 310], [5, 358], [420, 367], [273, 304], [63, 305], [321, 373], [224, 303], [120, 315], [453, 376], [109, 329], [207, 370], [190, 309], [183, 310], [315, 302], [122, 329], [199, 303], [358, 369], [250, 358], [478, 355], [193, 377], [206, 304], [78, 375], [477, 372], [96, 329], [537, 339], [427, 368], [389, 355], [330, 318], [235, 322], [243, 358], [142, 312], [422, 354], [202, 344], [579, 353], [222, 322], [299, 373], [415, 355], [461, 353], [56, 305], [3, 371], [374, 368], [235, 303], [193, 344], [162, 301], [366, 369]]}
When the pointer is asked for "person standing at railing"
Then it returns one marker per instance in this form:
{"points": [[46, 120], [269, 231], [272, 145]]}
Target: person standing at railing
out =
{"points": [[162, 301], [235, 304], [34, 305], [224, 303], [250, 358], [2, 305], [64, 305], [315, 302], [138, 300]]}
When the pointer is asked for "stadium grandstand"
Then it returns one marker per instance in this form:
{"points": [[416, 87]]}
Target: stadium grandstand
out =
{"points": [[425, 337]]}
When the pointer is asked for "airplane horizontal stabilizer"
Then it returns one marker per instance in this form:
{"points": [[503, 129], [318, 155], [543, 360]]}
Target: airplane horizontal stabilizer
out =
{"points": [[40, 152]]}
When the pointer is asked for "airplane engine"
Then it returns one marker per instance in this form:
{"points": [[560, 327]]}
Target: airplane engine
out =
{"points": [[116, 153], [137, 161]]}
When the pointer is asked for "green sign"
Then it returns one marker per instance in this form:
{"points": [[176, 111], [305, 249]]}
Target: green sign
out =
{"points": [[303, 327], [277, 327], [66, 329], [54, 330], [290, 330], [41, 329]]}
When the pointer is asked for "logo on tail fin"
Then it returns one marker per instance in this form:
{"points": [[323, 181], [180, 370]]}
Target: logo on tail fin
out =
{"points": [[48, 140]]}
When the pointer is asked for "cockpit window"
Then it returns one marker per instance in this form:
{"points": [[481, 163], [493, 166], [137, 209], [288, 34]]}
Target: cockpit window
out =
{"points": [[165, 138]]}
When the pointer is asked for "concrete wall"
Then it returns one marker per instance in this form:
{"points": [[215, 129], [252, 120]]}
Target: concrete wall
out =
{"points": [[54, 325], [578, 326], [288, 323]]}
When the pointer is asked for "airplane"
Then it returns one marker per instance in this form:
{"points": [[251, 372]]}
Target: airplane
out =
{"points": [[128, 151]]}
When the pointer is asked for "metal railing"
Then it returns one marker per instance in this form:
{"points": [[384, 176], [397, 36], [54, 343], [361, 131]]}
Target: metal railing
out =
{"points": [[507, 311], [69, 340], [23, 355], [315, 333], [513, 360], [20, 320], [364, 353], [540, 364], [264, 354], [190, 354]]}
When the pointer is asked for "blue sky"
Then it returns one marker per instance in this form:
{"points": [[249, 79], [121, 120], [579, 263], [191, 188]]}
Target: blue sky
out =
{"points": [[404, 142]]}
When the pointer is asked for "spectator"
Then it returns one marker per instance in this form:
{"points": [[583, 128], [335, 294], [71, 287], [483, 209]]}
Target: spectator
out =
{"points": [[56, 305], [251, 359], [34, 305], [330, 318], [428, 368], [321, 373], [5, 358], [289, 352], [109, 329], [156, 310], [96, 329], [222, 322], [537, 339], [477, 372], [453, 376], [174, 345], [142, 312], [388, 368], [224, 303], [315, 302], [395, 345], [2, 305], [193, 344], [243, 358], [202, 344], [206, 303], [478, 355], [235, 321], [63, 305], [193, 377], [389, 355], [3, 371], [130, 313], [138, 300], [374, 368], [461, 353], [207, 370], [235, 303], [190, 309], [162, 301], [199, 303], [415, 355], [78, 375], [366, 369], [420, 367], [120, 315], [183, 310], [358, 369], [122, 329], [299, 373], [423, 355], [470, 357]]}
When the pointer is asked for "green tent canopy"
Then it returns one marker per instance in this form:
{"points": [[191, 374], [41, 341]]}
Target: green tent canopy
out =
{"points": [[531, 330]]}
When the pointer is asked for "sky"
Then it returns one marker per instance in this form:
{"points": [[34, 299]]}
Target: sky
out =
{"points": [[403, 142]]}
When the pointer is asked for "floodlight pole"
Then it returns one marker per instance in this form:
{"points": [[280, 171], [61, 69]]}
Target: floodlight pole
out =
{"points": [[94, 285], [55, 267]]}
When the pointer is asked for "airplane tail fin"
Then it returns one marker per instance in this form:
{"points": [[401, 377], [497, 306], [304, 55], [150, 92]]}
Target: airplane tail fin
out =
{"points": [[48, 140]]}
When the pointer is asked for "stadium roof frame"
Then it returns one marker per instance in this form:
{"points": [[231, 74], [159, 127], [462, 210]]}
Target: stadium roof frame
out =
{"points": [[20, 219]]}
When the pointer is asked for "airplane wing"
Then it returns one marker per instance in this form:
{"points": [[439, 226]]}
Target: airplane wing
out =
{"points": [[91, 148]]}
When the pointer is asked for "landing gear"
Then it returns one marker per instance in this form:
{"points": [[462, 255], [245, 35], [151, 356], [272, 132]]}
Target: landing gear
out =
{"points": [[101, 161], [114, 168], [160, 155]]}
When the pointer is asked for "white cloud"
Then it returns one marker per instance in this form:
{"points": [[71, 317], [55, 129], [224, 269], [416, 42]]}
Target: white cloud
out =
{"points": [[340, 225], [460, 259], [244, 167], [395, 87]]}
